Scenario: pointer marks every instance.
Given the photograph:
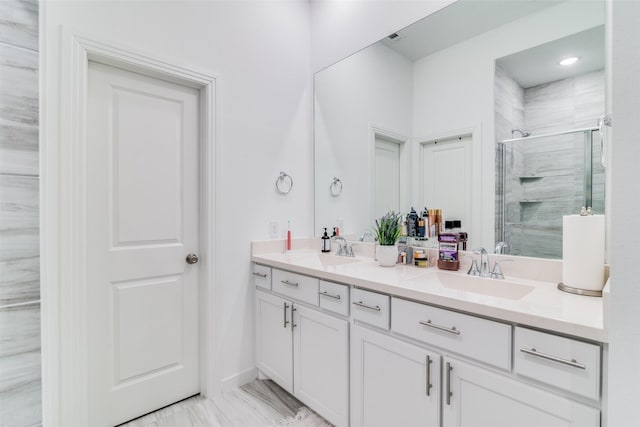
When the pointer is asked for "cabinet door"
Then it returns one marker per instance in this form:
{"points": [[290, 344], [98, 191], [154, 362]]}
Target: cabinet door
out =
{"points": [[321, 358], [480, 398], [393, 383], [274, 345]]}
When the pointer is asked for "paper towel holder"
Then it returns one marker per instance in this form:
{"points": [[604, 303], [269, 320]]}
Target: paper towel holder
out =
{"points": [[578, 291]]}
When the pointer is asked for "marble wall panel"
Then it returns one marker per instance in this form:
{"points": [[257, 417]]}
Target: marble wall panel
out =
{"points": [[18, 110], [19, 23], [20, 378]]}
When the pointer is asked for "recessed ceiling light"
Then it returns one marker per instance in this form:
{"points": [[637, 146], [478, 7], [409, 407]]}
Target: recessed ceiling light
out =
{"points": [[569, 61]]}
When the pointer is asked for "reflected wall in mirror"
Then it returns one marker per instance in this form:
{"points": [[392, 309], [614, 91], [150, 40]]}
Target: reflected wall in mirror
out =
{"points": [[433, 82]]}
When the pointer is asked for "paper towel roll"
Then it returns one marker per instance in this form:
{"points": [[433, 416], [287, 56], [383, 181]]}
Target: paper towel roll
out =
{"points": [[583, 251]]}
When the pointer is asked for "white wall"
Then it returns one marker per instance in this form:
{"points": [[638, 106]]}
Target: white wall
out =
{"points": [[453, 88], [341, 27], [624, 327], [261, 52], [371, 88]]}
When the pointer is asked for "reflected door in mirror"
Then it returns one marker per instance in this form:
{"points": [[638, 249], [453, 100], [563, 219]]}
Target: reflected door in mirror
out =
{"points": [[387, 191], [445, 171]]}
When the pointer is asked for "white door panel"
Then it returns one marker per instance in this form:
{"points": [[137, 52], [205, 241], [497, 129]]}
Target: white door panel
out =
{"points": [[387, 173], [143, 219], [445, 168]]}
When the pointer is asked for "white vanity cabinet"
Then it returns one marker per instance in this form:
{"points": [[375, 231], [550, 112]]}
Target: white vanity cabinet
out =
{"points": [[393, 383], [274, 344], [363, 358], [304, 350], [477, 397], [321, 363]]}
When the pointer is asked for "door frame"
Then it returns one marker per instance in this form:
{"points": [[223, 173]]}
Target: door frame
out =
{"points": [[64, 218], [381, 132]]}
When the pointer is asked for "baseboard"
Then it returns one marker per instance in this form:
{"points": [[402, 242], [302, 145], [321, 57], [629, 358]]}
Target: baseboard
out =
{"points": [[239, 379]]}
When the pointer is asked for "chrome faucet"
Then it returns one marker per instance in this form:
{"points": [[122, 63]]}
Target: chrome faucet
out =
{"points": [[483, 271], [343, 248], [501, 248], [365, 234]]}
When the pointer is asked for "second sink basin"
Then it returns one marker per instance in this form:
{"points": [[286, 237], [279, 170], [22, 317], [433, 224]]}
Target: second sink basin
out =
{"points": [[485, 286]]}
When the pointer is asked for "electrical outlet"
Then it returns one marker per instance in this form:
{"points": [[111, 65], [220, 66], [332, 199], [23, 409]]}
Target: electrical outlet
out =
{"points": [[275, 230]]}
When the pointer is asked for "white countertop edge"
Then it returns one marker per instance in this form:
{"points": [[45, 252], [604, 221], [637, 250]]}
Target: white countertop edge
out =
{"points": [[519, 318]]}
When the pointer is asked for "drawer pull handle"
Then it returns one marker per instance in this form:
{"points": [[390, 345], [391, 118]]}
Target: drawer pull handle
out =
{"points": [[429, 385], [285, 314], [286, 282], [430, 324], [448, 392], [370, 307], [263, 275], [324, 293], [536, 353]]}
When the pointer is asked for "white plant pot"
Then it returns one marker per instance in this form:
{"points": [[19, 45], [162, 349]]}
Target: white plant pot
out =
{"points": [[387, 255]]}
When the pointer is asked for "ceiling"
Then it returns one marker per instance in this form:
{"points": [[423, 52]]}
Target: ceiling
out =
{"points": [[540, 64], [460, 21]]}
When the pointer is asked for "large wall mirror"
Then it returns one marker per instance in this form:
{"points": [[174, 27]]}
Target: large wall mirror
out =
{"points": [[469, 111]]}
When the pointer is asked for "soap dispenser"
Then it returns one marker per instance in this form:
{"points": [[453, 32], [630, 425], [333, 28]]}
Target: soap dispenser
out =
{"points": [[326, 241]]}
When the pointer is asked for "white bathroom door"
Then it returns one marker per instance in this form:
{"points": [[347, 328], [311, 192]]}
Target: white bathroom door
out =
{"points": [[445, 169], [143, 222]]}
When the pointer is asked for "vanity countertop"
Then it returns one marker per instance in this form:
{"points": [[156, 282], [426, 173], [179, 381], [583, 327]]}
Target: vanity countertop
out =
{"points": [[531, 302]]}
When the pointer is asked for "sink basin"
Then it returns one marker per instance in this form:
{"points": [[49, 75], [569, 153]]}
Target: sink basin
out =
{"points": [[485, 286], [312, 258], [330, 259]]}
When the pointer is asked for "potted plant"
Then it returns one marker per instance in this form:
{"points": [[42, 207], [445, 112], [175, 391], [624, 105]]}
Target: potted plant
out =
{"points": [[387, 231]]}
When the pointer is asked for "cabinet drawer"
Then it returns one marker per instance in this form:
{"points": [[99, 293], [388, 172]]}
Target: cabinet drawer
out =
{"points": [[476, 338], [370, 307], [261, 276], [293, 285], [558, 361], [334, 297]]}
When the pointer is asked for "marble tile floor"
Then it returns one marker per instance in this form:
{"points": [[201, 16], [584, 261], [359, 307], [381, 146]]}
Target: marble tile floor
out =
{"points": [[261, 403]]}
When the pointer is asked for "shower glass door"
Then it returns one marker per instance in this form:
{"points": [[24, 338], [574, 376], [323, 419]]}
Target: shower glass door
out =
{"points": [[540, 179]]}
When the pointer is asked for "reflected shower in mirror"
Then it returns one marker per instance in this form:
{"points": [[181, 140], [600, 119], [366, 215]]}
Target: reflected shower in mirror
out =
{"points": [[547, 156], [379, 113]]}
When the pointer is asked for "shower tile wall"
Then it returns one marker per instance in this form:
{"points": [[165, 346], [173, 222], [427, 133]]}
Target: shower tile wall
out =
{"points": [[534, 220], [20, 379], [509, 115]]}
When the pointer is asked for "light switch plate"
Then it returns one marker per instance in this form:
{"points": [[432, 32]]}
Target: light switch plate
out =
{"points": [[274, 230]]}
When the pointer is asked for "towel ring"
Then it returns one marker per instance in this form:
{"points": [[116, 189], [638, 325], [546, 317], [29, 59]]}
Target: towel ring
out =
{"points": [[284, 183], [335, 188]]}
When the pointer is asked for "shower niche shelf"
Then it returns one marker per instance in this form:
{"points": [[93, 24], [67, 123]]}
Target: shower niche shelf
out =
{"points": [[529, 178]]}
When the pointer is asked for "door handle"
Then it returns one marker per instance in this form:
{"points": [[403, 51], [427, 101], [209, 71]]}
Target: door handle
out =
{"points": [[448, 392], [293, 309], [192, 259], [429, 385], [284, 311]]}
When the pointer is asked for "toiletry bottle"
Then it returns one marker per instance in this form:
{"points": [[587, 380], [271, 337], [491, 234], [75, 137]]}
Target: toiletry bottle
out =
{"points": [[335, 232], [288, 235], [412, 223], [326, 242], [425, 216], [432, 223]]}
